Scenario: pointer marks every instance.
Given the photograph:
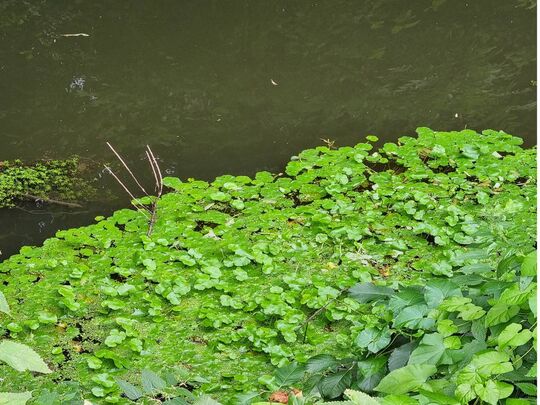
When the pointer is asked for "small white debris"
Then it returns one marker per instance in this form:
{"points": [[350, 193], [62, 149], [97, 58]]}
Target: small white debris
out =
{"points": [[273, 82], [79, 34], [456, 115], [497, 185], [211, 235]]}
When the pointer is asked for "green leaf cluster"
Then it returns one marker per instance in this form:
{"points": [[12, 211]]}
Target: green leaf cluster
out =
{"points": [[49, 179], [411, 264]]}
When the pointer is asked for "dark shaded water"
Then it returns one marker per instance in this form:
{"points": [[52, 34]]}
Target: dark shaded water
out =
{"points": [[239, 86]]}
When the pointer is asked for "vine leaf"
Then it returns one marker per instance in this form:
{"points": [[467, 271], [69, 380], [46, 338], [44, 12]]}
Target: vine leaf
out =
{"points": [[513, 336], [406, 379], [429, 351], [507, 264]]}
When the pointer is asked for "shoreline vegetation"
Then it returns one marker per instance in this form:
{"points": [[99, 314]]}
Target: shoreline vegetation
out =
{"points": [[48, 181], [404, 274]]}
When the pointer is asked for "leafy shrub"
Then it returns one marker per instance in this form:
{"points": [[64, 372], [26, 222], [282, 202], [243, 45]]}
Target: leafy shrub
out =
{"points": [[449, 341], [335, 257], [45, 179]]}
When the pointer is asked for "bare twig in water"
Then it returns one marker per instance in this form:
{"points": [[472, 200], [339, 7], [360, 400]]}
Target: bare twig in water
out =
{"points": [[52, 201], [158, 187], [127, 168], [154, 161], [156, 171], [139, 204]]}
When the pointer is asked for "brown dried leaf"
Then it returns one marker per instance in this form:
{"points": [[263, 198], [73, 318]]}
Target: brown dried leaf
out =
{"points": [[280, 397]]}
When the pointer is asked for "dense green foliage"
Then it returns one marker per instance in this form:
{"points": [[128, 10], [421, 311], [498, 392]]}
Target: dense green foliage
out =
{"points": [[48, 179], [407, 267]]}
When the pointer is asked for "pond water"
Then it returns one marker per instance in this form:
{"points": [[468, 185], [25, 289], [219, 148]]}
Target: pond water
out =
{"points": [[239, 86]]}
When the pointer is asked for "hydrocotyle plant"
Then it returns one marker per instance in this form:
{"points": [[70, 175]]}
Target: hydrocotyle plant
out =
{"points": [[351, 253]]}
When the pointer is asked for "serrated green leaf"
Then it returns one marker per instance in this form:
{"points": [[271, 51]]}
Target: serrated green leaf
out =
{"points": [[491, 362], [129, 389], [429, 351], [150, 381], [514, 295], [493, 391], [400, 356], [478, 329], [290, 374], [508, 264], [15, 398], [406, 379], [22, 357], [360, 398], [528, 266], [437, 290], [527, 388], [500, 313], [321, 362], [366, 292], [519, 401], [398, 400], [373, 339], [438, 398], [333, 385]]}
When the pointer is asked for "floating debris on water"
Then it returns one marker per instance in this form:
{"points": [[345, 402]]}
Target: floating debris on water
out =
{"points": [[77, 83], [79, 34]]}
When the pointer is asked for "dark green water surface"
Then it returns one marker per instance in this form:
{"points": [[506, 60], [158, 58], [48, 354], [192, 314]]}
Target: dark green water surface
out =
{"points": [[236, 86]]}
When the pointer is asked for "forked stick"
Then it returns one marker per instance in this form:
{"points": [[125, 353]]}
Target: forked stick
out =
{"points": [[133, 198], [127, 168], [153, 171], [158, 187], [154, 161], [158, 178]]}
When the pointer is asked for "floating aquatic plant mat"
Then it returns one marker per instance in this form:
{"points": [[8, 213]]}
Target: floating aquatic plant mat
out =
{"points": [[410, 268]]}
